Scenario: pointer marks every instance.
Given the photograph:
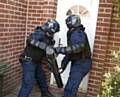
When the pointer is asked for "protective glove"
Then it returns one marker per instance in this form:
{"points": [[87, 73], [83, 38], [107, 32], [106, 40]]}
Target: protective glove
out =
{"points": [[63, 67], [59, 50]]}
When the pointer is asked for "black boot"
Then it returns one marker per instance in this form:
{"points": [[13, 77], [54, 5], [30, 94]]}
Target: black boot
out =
{"points": [[47, 94]]}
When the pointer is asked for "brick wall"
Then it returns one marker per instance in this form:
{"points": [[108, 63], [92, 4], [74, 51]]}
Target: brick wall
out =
{"points": [[17, 20], [107, 38], [40, 11], [12, 37]]}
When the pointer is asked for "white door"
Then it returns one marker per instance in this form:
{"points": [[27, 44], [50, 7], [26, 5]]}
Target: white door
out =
{"points": [[87, 9]]}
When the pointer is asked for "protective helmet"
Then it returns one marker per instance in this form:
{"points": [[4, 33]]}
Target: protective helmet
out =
{"points": [[51, 26], [73, 21]]}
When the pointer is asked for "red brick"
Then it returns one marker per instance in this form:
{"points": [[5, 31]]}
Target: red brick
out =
{"points": [[13, 28], [105, 41]]}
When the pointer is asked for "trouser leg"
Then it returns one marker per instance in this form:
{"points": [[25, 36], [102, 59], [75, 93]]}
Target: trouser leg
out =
{"points": [[28, 79], [74, 80], [41, 80]]}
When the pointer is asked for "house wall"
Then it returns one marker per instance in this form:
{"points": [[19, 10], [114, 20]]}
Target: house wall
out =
{"points": [[107, 39], [18, 18], [12, 37]]}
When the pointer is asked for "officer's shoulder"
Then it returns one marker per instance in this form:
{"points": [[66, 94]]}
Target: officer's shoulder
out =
{"points": [[79, 32], [38, 33]]}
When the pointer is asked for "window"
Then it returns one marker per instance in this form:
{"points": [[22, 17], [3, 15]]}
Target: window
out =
{"points": [[79, 10]]}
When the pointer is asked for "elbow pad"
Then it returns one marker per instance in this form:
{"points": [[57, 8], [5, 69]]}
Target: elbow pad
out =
{"points": [[41, 45], [70, 49]]}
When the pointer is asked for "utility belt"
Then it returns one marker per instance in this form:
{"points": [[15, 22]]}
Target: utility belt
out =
{"points": [[25, 58]]}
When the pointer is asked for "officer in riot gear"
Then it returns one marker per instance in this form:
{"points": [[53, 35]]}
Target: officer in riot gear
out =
{"points": [[32, 56], [78, 52]]}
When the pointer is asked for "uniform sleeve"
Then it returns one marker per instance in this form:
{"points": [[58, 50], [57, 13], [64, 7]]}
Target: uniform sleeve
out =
{"points": [[51, 42], [38, 41], [36, 36], [77, 45], [70, 49]]}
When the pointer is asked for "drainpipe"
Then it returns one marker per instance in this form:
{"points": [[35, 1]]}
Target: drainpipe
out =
{"points": [[26, 22]]}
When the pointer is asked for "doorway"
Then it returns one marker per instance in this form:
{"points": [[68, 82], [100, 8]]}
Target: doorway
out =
{"points": [[87, 10]]}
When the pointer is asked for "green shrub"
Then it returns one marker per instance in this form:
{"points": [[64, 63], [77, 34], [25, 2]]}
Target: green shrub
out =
{"points": [[111, 83]]}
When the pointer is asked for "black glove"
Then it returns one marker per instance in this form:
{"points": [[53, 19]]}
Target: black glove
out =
{"points": [[63, 67], [59, 50], [53, 42]]}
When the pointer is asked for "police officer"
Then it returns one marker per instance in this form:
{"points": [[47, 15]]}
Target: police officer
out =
{"points": [[78, 52], [31, 59]]}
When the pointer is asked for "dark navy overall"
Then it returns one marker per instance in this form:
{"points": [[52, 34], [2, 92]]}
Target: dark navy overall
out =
{"points": [[80, 63], [32, 68]]}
